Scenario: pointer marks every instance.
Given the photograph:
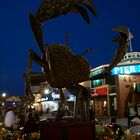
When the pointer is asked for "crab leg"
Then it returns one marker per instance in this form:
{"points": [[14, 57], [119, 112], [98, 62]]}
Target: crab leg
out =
{"points": [[32, 77]]}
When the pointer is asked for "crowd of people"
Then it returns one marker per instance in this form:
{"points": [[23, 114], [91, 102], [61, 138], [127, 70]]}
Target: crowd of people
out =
{"points": [[25, 120], [29, 121]]}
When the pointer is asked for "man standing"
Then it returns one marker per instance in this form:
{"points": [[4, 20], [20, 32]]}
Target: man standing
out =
{"points": [[9, 120]]}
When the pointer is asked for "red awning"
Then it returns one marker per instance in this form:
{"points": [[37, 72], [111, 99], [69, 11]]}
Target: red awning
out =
{"points": [[102, 91]]}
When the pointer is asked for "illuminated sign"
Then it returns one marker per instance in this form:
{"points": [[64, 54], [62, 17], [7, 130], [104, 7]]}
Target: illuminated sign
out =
{"points": [[130, 69], [96, 72], [55, 96]]}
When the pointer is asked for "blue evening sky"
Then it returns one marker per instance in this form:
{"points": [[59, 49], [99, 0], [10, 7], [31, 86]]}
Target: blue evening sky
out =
{"points": [[16, 37]]}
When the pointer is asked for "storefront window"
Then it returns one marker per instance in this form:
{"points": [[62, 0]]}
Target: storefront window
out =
{"points": [[96, 83], [138, 88], [113, 89]]}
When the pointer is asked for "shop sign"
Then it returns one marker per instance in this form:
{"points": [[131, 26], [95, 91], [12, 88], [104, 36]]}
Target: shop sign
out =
{"points": [[96, 72], [55, 96], [44, 99], [130, 69], [51, 97]]}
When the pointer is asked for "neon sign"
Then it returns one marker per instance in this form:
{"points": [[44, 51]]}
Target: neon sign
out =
{"points": [[130, 69], [55, 96]]}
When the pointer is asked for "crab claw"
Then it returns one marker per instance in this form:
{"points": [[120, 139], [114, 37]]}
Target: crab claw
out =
{"points": [[37, 31], [51, 9], [78, 8], [124, 32], [82, 11], [121, 29], [89, 5]]}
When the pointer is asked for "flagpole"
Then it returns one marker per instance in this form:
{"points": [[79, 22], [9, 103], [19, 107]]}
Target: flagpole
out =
{"points": [[130, 45], [129, 39]]}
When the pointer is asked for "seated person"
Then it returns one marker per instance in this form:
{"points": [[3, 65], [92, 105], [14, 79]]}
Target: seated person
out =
{"points": [[116, 128], [135, 129], [60, 113]]}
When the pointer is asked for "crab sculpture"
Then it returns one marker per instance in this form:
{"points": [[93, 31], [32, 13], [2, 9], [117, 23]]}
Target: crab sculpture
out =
{"points": [[60, 67]]}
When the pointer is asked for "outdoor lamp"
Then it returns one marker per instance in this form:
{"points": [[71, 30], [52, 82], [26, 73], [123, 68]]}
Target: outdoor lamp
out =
{"points": [[3, 94]]}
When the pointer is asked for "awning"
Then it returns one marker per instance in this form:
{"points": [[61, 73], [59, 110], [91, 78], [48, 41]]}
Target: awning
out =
{"points": [[100, 91]]}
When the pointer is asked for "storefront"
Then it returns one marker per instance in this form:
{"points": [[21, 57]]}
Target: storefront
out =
{"points": [[103, 101], [123, 77], [126, 78], [52, 100]]}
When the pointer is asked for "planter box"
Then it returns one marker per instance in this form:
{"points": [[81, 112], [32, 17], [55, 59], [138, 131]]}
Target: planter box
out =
{"points": [[67, 130]]}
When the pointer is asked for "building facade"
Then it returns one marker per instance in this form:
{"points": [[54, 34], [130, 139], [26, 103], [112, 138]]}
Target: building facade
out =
{"points": [[113, 95]]}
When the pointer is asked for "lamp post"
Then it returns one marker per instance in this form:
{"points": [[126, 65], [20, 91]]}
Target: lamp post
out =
{"points": [[3, 94]]}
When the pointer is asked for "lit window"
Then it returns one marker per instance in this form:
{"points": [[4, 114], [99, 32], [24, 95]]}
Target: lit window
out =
{"points": [[125, 57]]}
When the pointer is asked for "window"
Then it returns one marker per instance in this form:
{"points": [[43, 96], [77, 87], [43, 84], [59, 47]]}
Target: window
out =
{"points": [[125, 57], [137, 88], [96, 83]]}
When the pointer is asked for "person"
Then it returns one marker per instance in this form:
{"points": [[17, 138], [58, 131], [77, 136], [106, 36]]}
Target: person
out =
{"points": [[48, 113], [91, 112], [60, 113], [116, 128], [135, 128], [36, 118], [131, 113], [29, 125], [21, 117], [9, 120], [67, 111]]}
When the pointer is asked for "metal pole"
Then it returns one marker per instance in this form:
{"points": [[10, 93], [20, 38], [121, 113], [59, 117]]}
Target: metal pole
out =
{"points": [[74, 111], [108, 102], [130, 36]]}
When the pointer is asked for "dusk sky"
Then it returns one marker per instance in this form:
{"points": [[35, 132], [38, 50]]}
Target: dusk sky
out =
{"points": [[16, 37]]}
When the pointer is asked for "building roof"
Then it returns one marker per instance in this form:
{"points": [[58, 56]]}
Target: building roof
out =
{"points": [[131, 57]]}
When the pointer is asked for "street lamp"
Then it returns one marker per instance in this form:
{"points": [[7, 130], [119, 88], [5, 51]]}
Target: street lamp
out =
{"points": [[46, 91], [3, 94]]}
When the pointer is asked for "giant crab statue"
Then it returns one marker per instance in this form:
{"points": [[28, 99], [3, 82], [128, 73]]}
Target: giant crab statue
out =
{"points": [[60, 67]]}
